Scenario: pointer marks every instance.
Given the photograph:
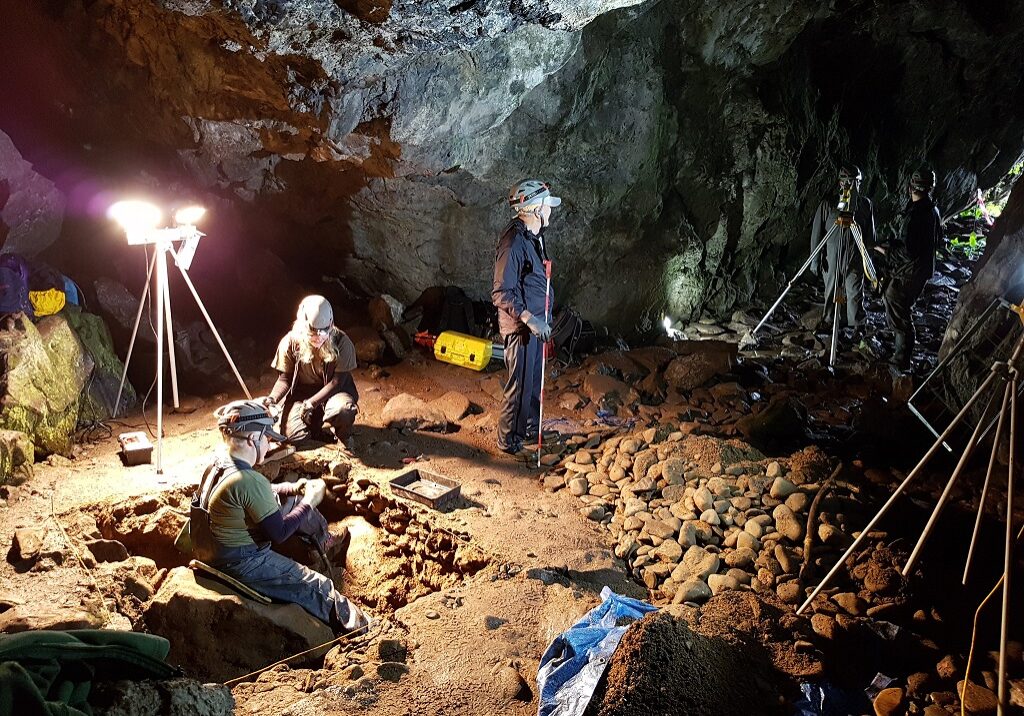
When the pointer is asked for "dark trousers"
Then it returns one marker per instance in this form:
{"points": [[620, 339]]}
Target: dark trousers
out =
{"points": [[338, 413], [521, 412], [851, 280], [899, 296]]}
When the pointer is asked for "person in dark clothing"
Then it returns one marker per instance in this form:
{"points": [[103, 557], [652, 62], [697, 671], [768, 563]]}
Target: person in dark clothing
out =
{"points": [[236, 515], [841, 254], [912, 262], [523, 298], [315, 361]]}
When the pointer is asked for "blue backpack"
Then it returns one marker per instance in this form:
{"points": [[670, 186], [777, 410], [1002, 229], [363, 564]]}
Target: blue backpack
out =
{"points": [[14, 274]]}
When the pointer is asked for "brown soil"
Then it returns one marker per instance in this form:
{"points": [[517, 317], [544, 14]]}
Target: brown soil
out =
{"points": [[475, 592], [663, 668]]}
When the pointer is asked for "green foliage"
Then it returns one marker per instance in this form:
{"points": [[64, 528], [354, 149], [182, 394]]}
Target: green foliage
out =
{"points": [[970, 245]]}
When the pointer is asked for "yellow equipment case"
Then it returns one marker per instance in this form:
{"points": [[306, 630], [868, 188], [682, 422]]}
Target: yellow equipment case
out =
{"points": [[463, 350]]}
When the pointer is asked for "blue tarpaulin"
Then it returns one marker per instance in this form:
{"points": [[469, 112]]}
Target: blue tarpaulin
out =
{"points": [[574, 662]]}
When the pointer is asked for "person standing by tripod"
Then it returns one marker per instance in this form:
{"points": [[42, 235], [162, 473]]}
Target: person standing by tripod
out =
{"points": [[841, 268], [912, 262]]}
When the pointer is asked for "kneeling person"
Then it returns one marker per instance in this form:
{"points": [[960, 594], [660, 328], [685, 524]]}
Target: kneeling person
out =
{"points": [[237, 514], [315, 361]]}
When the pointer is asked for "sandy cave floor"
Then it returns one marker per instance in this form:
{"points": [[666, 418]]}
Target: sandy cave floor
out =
{"points": [[453, 658]]}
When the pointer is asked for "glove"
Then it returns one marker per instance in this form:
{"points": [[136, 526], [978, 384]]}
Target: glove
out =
{"points": [[538, 326], [313, 492], [267, 401], [306, 412]]}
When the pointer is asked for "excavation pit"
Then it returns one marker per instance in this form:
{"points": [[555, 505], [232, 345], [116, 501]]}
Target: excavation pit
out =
{"points": [[397, 554]]}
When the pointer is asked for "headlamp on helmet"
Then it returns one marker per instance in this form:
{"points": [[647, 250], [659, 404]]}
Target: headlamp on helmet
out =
{"points": [[849, 174], [241, 418], [531, 193], [923, 181]]}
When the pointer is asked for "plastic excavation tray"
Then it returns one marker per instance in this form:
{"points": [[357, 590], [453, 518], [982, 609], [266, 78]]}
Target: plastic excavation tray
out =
{"points": [[434, 491]]}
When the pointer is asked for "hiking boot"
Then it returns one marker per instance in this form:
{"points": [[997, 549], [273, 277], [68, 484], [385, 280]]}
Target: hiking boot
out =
{"points": [[336, 545], [510, 449]]}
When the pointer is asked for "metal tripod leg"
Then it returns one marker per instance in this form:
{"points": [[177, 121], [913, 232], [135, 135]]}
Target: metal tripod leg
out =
{"points": [[792, 281], [899, 490], [161, 286], [209, 322], [955, 350], [964, 458], [162, 267], [1008, 554], [988, 477], [135, 333]]}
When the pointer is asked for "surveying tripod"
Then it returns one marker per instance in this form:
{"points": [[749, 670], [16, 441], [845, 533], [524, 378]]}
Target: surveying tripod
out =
{"points": [[850, 238]]}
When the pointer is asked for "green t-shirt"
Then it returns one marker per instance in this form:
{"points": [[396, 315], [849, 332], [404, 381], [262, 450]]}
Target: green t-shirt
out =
{"points": [[240, 501]]}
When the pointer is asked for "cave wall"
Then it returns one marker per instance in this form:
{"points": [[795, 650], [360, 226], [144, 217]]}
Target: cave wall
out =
{"points": [[31, 207], [375, 141]]}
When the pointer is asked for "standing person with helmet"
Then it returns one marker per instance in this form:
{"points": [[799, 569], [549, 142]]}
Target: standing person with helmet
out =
{"points": [[522, 296], [315, 361], [237, 514], [841, 253], [912, 262]]}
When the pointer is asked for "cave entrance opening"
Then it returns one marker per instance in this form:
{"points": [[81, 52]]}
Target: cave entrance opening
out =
{"points": [[968, 230]]}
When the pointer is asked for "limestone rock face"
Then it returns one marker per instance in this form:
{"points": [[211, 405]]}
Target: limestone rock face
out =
{"points": [[47, 369], [31, 207], [997, 275], [57, 372], [219, 635], [374, 142]]}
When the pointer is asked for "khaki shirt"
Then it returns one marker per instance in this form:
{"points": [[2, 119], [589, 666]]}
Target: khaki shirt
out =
{"points": [[319, 372]]}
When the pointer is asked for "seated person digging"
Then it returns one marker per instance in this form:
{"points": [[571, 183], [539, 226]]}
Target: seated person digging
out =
{"points": [[237, 514], [315, 361]]}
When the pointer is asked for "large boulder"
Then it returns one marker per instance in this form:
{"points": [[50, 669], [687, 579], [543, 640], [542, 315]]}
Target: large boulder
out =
{"points": [[608, 393], [700, 362], [407, 412], [170, 697], [98, 399], [997, 275], [217, 635], [47, 370], [16, 456], [58, 372], [782, 423], [31, 207]]}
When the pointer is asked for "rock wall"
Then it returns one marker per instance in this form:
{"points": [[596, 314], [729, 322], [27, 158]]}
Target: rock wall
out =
{"points": [[57, 374], [998, 274], [375, 141], [31, 207]]}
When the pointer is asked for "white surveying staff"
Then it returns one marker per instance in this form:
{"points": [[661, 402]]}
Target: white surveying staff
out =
{"points": [[544, 361]]}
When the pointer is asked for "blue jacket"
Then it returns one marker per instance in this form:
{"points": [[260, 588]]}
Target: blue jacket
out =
{"points": [[519, 279]]}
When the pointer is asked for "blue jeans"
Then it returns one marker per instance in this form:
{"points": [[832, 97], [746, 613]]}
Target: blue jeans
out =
{"points": [[285, 580]]}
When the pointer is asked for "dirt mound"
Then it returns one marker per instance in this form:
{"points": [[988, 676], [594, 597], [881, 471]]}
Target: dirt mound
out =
{"points": [[743, 618], [662, 667]]}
